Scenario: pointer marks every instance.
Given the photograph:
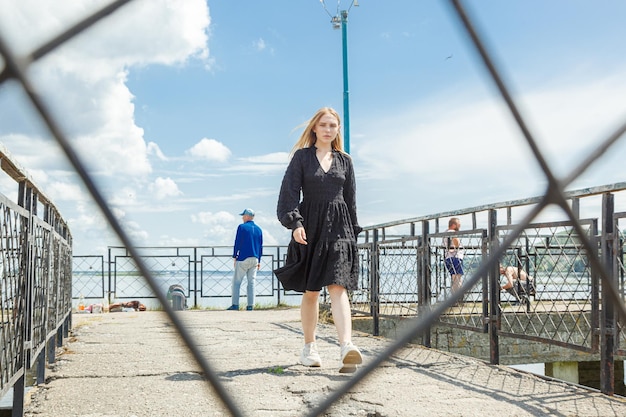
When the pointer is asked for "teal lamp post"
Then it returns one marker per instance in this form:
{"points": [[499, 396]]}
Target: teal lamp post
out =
{"points": [[346, 91], [340, 20]]}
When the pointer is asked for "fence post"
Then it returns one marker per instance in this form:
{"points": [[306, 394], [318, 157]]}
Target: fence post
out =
{"points": [[109, 299], [278, 264], [374, 285], [25, 199], [195, 276], [493, 317], [484, 253], [595, 292], [424, 268], [607, 322]]}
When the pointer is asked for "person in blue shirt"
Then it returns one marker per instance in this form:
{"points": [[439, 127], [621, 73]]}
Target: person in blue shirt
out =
{"points": [[247, 254]]}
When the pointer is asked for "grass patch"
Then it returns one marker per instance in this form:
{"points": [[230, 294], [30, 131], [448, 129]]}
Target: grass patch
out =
{"points": [[276, 370]]}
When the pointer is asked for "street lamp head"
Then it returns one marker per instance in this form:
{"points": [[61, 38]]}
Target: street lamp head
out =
{"points": [[336, 21]]}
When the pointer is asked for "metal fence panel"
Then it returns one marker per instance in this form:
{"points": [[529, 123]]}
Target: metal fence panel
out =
{"points": [[560, 312], [619, 272], [12, 293]]}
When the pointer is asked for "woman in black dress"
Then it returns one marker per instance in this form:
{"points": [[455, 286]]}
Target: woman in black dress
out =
{"points": [[322, 251]]}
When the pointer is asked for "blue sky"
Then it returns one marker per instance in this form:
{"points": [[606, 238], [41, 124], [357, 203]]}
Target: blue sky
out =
{"points": [[184, 111]]}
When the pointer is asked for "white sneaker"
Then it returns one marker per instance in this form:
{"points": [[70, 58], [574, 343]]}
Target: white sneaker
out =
{"points": [[309, 356], [350, 358]]}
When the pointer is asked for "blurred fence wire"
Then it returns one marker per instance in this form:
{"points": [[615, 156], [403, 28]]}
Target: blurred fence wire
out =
{"points": [[16, 69]]}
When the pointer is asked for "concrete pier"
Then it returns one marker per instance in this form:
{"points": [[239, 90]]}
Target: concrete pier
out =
{"points": [[134, 364]]}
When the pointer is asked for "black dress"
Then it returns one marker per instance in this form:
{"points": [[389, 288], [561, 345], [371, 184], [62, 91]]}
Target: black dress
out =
{"points": [[328, 213]]}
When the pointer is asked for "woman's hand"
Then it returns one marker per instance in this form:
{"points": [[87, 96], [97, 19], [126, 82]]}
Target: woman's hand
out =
{"points": [[299, 235]]}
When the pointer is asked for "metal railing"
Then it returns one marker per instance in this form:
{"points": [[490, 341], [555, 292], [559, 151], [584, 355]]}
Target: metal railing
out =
{"points": [[205, 273], [35, 283], [15, 68], [403, 272]]}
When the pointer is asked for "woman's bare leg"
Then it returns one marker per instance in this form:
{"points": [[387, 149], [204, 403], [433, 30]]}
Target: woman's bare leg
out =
{"points": [[309, 314], [340, 307]]}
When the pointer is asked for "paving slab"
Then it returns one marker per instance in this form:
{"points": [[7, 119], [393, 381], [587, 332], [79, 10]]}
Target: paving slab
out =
{"points": [[135, 365]]}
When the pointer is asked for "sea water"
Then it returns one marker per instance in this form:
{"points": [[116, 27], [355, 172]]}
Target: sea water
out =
{"points": [[212, 290]]}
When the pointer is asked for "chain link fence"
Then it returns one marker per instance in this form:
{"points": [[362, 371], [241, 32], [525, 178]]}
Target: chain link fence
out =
{"points": [[479, 265]]}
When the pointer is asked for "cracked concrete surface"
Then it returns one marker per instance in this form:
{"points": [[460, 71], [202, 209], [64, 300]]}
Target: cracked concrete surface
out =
{"points": [[134, 364]]}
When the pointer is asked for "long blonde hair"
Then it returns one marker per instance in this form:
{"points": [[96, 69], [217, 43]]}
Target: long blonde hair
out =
{"points": [[308, 137]]}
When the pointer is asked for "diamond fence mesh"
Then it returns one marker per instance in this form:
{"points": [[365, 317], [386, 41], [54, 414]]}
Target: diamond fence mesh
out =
{"points": [[204, 273], [466, 313], [12, 295], [558, 297], [620, 275], [88, 277], [35, 285], [565, 288]]}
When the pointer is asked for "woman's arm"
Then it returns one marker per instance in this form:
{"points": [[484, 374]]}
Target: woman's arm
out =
{"points": [[289, 197], [349, 195]]}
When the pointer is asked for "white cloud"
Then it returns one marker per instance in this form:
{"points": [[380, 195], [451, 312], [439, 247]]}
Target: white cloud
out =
{"points": [[174, 241], [571, 120], [141, 32], [453, 152], [65, 191], [124, 196], [133, 230], [163, 188], [153, 149], [259, 44], [92, 230], [84, 85], [105, 132], [271, 158], [446, 152], [51, 175], [447, 140], [136, 234], [442, 145], [84, 81], [269, 164], [210, 150], [209, 218], [48, 156], [218, 228]]}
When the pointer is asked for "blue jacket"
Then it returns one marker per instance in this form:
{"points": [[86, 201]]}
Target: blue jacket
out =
{"points": [[248, 242]]}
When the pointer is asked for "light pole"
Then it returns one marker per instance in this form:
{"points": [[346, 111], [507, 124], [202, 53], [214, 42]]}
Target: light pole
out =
{"points": [[340, 20]]}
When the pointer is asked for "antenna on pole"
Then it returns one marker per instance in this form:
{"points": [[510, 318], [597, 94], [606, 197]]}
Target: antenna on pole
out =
{"points": [[340, 21], [335, 19]]}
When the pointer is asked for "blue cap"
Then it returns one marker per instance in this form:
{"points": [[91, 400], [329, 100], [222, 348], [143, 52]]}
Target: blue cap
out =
{"points": [[247, 212]]}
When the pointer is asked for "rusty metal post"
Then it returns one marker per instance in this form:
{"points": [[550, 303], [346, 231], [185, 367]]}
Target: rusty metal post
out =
{"points": [[195, 276], [109, 263], [607, 322], [484, 253], [595, 296], [25, 287], [493, 314], [424, 285], [375, 285]]}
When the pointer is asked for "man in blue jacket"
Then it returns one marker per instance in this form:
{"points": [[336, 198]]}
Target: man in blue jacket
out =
{"points": [[247, 254]]}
